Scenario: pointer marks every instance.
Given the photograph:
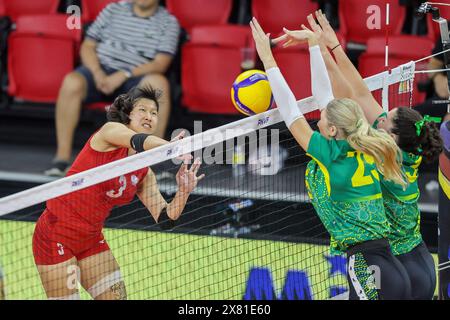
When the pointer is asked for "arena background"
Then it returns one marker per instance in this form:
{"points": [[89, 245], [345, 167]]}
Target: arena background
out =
{"points": [[27, 146]]}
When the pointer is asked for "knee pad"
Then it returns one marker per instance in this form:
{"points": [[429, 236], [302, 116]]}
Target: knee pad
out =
{"points": [[104, 284]]}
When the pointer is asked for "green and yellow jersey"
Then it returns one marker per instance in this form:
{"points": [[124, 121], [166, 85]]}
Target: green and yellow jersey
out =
{"points": [[344, 187], [402, 209]]}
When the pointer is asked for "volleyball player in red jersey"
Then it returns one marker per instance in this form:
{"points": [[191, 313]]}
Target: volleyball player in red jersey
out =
{"points": [[68, 240]]}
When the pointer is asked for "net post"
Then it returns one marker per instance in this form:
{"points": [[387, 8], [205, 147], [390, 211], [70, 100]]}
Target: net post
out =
{"points": [[444, 198]]}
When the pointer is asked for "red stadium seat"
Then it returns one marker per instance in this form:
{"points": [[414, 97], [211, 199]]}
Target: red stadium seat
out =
{"points": [[192, 13], [354, 16], [211, 61], [40, 53], [91, 8], [405, 46], [273, 15], [17, 8], [371, 64]]}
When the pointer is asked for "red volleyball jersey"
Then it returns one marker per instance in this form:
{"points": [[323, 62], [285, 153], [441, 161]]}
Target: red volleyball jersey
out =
{"points": [[91, 206]]}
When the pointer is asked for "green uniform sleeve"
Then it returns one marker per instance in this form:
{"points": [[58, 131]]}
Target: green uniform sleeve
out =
{"points": [[321, 149]]}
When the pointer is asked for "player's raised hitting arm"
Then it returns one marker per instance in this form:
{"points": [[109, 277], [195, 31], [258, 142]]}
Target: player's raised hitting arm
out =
{"points": [[285, 99], [361, 92], [341, 87]]}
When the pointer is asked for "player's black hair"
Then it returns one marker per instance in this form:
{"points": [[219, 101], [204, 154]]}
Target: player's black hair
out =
{"points": [[121, 108], [428, 144]]}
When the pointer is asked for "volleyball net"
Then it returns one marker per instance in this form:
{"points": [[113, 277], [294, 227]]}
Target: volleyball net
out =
{"points": [[248, 231]]}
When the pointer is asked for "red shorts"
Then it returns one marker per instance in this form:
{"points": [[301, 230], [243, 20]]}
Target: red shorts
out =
{"points": [[58, 241]]}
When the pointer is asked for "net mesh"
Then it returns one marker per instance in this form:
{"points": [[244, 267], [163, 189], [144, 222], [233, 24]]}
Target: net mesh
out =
{"points": [[248, 231]]}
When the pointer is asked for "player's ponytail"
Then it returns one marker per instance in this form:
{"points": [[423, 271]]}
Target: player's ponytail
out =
{"points": [[348, 117], [416, 134], [120, 109]]}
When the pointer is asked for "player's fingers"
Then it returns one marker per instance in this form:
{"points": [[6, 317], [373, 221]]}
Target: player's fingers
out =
{"points": [[280, 39], [287, 31], [181, 135], [178, 136], [182, 170], [195, 165], [200, 177], [312, 23], [254, 29], [257, 26], [320, 19], [197, 168], [305, 28], [323, 16], [287, 43], [323, 21], [255, 33], [291, 34]]}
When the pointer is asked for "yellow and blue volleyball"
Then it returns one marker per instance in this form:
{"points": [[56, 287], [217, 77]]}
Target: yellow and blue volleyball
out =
{"points": [[251, 93]]}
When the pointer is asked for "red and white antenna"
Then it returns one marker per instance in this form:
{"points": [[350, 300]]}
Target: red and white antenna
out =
{"points": [[386, 58]]}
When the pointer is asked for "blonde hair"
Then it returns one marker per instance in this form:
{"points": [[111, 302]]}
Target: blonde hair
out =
{"points": [[349, 118]]}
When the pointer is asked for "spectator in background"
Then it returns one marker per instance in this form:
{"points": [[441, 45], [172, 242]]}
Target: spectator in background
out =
{"points": [[439, 91], [439, 84], [129, 44]]}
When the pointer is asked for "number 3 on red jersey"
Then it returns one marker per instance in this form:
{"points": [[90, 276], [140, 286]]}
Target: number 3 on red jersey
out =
{"points": [[123, 186]]}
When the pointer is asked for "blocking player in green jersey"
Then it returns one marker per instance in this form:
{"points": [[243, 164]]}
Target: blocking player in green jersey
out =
{"points": [[347, 155], [418, 138]]}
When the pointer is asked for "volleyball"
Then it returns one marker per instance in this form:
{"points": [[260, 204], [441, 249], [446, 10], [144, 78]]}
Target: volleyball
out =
{"points": [[251, 93]]}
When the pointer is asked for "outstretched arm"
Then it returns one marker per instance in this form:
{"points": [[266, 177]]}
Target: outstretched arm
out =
{"points": [[285, 99], [361, 92], [115, 135], [341, 87]]}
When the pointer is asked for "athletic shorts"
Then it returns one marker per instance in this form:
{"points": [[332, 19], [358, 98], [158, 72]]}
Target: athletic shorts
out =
{"points": [[375, 274], [57, 241], [421, 270], [93, 95]]}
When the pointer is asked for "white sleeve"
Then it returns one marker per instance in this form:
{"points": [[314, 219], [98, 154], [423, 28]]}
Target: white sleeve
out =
{"points": [[285, 99], [320, 81]]}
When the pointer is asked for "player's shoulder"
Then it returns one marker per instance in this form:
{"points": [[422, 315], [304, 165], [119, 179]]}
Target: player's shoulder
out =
{"points": [[109, 129], [111, 125]]}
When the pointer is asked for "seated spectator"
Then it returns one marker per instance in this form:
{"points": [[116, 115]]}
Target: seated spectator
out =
{"points": [[440, 91], [129, 44], [440, 86]]}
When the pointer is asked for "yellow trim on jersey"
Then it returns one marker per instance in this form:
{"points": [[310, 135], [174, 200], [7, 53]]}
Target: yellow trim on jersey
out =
{"points": [[445, 184], [408, 197], [413, 177], [308, 188], [326, 174]]}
